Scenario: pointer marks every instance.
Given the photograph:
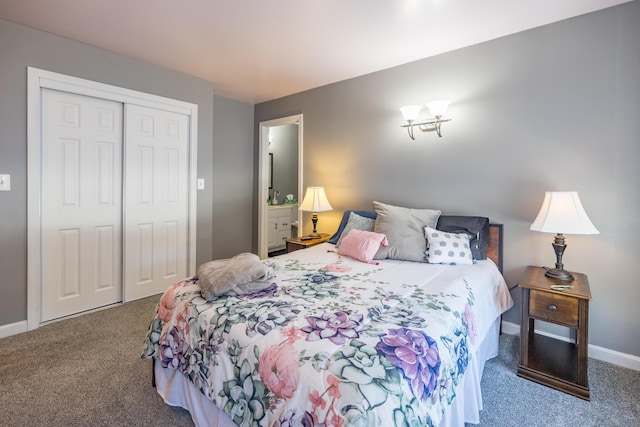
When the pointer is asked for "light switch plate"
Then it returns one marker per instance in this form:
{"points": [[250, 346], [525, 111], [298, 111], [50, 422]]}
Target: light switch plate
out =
{"points": [[200, 183], [5, 182]]}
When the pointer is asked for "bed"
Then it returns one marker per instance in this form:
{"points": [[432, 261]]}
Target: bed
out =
{"points": [[334, 340]]}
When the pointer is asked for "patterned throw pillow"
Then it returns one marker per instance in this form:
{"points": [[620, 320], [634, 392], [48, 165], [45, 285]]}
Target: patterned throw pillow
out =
{"points": [[447, 248], [477, 227]]}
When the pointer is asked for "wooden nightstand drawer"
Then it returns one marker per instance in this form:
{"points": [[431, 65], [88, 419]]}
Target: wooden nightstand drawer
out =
{"points": [[554, 308]]}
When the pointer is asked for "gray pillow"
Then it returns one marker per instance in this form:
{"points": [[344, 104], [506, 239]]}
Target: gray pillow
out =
{"points": [[404, 228], [343, 223], [356, 222]]}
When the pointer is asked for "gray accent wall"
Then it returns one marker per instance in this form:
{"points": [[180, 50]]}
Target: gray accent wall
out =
{"points": [[233, 177], [225, 147], [552, 108]]}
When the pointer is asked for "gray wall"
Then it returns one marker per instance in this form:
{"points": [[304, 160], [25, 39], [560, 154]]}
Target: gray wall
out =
{"points": [[229, 148], [233, 177], [553, 108]]}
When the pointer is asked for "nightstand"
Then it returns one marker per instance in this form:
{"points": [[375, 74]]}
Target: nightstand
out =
{"points": [[297, 243], [558, 364]]}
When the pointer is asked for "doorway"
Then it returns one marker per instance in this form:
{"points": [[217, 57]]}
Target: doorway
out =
{"points": [[121, 270], [265, 176]]}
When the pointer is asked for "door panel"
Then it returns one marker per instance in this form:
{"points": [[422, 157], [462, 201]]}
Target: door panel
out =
{"points": [[81, 203], [156, 219]]}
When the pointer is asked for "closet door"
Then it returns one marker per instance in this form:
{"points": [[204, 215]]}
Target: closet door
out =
{"points": [[156, 200], [81, 203]]}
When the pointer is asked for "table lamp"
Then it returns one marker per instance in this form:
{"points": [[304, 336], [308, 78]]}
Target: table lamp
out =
{"points": [[315, 200], [561, 212]]}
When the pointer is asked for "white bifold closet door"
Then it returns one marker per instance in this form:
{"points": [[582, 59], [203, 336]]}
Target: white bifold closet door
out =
{"points": [[156, 200], [114, 202], [81, 210]]}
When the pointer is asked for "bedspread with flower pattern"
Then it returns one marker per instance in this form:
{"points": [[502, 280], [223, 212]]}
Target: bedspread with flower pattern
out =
{"points": [[332, 341]]}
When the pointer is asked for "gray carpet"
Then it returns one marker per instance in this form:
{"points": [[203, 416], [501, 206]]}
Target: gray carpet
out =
{"points": [[87, 371], [513, 401], [84, 371]]}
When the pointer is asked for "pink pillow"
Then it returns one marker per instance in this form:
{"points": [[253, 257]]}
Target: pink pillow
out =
{"points": [[362, 245]]}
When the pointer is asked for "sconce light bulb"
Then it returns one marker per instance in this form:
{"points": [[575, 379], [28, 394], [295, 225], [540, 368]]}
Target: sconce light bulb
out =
{"points": [[438, 108], [411, 112]]}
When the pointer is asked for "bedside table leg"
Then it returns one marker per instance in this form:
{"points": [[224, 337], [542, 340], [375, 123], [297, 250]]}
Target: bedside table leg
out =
{"points": [[526, 329], [582, 340]]}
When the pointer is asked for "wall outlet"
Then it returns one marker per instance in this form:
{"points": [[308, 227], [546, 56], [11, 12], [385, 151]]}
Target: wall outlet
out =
{"points": [[5, 182]]}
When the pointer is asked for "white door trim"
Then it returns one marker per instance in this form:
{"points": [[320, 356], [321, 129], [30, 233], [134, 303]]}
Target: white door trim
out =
{"points": [[38, 79], [263, 176]]}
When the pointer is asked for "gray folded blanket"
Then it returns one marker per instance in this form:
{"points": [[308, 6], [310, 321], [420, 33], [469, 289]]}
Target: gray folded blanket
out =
{"points": [[240, 275]]}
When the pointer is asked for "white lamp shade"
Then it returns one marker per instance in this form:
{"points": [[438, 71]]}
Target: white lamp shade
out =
{"points": [[562, 213], [438, 108], [315, 200], [411, 112]]}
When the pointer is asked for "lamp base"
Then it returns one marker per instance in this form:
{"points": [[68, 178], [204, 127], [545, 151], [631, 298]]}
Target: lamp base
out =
{"points": [[314, 219], [558, 273]]}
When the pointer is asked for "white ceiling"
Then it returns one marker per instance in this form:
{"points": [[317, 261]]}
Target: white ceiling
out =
{"points": [[257, 50]]}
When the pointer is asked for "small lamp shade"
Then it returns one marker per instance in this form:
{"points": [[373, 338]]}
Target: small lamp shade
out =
{"points": [[315, 200], [562, 212]]}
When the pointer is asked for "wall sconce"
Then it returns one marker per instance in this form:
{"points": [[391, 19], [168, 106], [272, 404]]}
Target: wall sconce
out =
{"points": [[437, 109]]}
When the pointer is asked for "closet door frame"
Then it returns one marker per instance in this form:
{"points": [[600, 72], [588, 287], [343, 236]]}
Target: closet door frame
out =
{"points": [[38, 79]]}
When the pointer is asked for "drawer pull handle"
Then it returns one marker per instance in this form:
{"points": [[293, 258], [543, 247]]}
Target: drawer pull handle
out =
{"points": [[553, 307]]}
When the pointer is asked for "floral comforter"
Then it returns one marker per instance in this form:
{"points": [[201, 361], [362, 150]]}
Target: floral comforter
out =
{"points": [[332, 341]]}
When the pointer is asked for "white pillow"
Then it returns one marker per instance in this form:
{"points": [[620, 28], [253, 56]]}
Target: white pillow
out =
{"points": [[447, 248]]}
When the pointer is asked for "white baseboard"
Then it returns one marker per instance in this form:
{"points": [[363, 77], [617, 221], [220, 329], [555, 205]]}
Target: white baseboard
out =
{"points": [[510, 328], [13, 329], [596, 352]]}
